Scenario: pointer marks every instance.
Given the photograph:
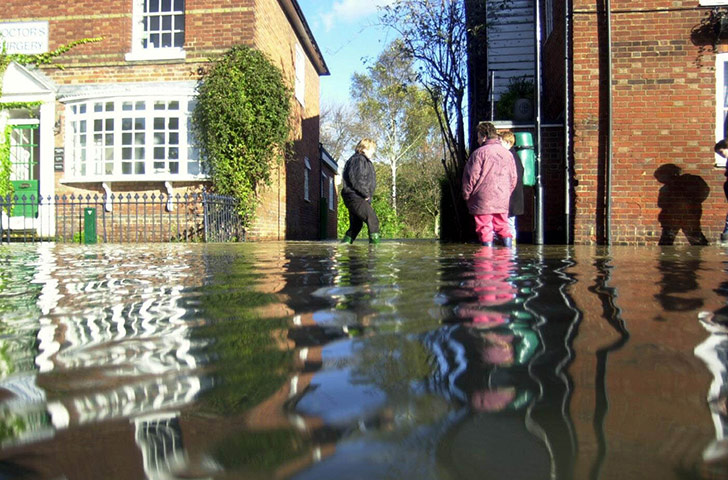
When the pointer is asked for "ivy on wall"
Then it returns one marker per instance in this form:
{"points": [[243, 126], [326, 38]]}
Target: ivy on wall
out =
{"points": [[241, 123]]}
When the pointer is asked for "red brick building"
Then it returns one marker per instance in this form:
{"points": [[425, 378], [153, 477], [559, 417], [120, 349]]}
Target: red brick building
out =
{"points": [[640, 90], [115, 118]]}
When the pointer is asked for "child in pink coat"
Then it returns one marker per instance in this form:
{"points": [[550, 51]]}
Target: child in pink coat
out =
{"points": [[488, 180]]}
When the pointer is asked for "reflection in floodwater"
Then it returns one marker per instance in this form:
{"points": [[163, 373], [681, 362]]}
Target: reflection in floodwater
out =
{"points": [[322, 360]]}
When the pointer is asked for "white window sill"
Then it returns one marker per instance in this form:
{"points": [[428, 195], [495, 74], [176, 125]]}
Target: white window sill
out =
{"points": [[713, 3], [156, 54], [134, 178]]}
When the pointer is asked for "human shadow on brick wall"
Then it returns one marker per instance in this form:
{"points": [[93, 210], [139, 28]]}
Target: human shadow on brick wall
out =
{"points": [[680, 200]]}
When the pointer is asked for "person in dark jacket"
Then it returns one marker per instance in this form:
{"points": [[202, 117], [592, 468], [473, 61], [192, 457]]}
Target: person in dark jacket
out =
{"points": [[515, 206], [360, 181]]}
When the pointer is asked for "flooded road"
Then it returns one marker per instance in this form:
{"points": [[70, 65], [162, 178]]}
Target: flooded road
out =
{"points": [[406, 360]]}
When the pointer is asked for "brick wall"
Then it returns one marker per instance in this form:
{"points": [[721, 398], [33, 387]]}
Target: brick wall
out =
{"points": [[274, 36], [211, 28], [663, 113]]}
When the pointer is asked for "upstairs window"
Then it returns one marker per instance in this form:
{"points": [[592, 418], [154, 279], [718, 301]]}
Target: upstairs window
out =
{"points": [[300, 67], [158, 30]]}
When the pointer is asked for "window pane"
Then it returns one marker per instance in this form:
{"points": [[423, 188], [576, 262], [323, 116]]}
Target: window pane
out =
{"points": [[173, 167], [166, 5], [167, 22], [158, 123], [174, 123], [153, 5], [126, 168], [179, 5], [126, 153], [158, 153], [158, 138], [166, 40], [139, 168], [154, 24]]}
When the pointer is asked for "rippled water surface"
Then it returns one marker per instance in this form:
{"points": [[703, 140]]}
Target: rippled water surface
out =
{"points": [[407, 360]]}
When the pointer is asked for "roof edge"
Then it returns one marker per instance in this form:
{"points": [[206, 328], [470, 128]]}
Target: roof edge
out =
{"points": [[298, 21]]}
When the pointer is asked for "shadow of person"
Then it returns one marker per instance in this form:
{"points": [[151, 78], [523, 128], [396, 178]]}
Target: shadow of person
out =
{"points": [[680, 200]]}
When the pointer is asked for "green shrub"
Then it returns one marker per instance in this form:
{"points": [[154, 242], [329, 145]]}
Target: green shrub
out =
{"points": [[241, 124]]}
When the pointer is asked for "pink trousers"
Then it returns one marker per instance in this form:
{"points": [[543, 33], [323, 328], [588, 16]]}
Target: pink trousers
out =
{"points": [[485, 225]]}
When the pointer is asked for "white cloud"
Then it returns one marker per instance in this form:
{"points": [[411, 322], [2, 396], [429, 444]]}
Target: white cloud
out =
{"points": [[348, 11]]}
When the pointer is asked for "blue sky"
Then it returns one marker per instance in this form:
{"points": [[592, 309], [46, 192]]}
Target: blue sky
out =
{"points": [[348, 35]]}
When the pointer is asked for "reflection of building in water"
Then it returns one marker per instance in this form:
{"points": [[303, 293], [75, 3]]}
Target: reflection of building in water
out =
{"points": [[645, 394], [160, 440], [714, 352], [112, 345]]}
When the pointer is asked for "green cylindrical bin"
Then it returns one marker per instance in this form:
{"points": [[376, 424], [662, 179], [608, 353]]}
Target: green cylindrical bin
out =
{"points": [[524, 150], [89, 225]]}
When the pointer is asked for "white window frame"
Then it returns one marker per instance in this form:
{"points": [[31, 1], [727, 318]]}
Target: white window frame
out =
{"points": [[129, 135], [300, 73], [721, 102], [306, 179], [332, 192], [549, 17], [713, 3], [138, 51]]}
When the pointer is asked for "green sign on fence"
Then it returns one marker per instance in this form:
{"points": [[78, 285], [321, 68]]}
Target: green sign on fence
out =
{"points": [[89, 225]]}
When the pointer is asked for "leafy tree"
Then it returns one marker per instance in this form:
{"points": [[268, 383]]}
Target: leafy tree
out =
{"points": [[433, 33], [339, 130], [241, 123], [436, 35], [393, 110]]}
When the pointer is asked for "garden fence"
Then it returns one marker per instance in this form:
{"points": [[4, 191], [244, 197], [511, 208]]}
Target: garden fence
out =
{"points": [[121, 218]]}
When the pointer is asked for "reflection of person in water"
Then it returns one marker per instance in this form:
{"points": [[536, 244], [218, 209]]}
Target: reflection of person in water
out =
{"points": [[679, 285], [714, 352], [680, 199], [482, 368], [487, 289]]}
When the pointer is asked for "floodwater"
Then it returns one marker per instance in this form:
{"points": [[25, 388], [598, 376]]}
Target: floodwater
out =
{"points": [[404, 360]]}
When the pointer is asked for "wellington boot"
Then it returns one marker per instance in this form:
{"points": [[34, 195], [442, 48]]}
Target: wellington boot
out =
{"points": [[487, 244], [374, 238], [347, 239], [508, 242]]}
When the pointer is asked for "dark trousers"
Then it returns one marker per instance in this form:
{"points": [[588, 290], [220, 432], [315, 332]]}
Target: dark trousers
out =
{"points": [[360, 212]]}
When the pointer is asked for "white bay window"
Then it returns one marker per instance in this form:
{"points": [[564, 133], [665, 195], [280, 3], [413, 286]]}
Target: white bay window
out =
{"points": [[121, 139]]}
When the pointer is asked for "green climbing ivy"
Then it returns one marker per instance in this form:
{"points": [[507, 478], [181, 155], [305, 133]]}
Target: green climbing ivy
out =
{"points": [[241, 123]]}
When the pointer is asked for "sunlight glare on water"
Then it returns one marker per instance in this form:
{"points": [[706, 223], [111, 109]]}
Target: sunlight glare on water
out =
{"points": [[407, 360]]}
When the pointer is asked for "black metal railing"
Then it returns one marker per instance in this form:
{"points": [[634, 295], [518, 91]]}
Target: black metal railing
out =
{"points": [[121, 218]]}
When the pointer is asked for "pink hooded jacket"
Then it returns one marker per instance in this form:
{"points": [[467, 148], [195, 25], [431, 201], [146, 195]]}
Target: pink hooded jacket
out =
{"points": [[489, 179]]}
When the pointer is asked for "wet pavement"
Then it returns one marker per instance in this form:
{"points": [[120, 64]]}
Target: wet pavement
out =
{"points": [[405, 360]]}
